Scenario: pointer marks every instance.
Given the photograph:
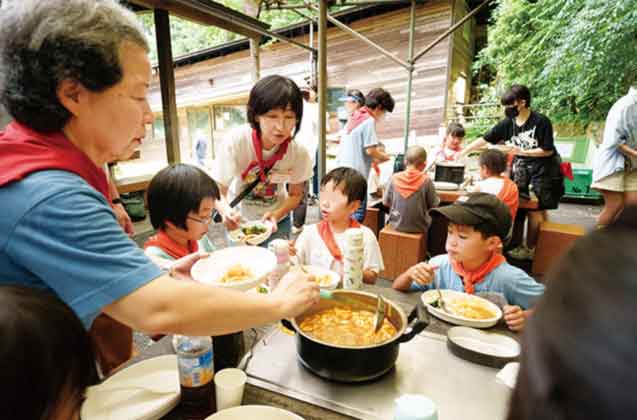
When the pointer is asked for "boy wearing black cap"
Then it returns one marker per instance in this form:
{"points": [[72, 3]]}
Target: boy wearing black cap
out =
{"points": [[478, 224]]}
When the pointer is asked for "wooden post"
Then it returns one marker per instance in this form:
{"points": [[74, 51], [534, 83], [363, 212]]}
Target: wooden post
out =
{"points": [[256, 60], [167, 84], [322, 85]]}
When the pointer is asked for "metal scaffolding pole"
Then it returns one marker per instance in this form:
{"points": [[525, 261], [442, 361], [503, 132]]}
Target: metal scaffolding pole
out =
{"points": [[450, 30], [366, 40], [410, 71], [322, 84]]}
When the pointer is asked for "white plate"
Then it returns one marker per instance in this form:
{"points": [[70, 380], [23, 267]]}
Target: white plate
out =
{"points": [[431, 296], [320, 271], [258, 260], [237, 234], [134, 403], [260, 412], [486, 343], [445, 186]]}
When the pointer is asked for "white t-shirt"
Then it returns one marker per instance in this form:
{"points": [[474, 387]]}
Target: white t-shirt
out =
{"points": [[234, 157], [308, 132], [311, 250], [491, 185]]}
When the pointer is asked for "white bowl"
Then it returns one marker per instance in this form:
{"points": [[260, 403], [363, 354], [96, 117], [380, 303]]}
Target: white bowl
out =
{"points": [[237, 235], [335, 278], [431, 296], [258, 260], [260, 412]]}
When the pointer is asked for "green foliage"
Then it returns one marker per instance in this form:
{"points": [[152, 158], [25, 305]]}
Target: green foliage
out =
{"points": [[577, 56], [188, 37]]}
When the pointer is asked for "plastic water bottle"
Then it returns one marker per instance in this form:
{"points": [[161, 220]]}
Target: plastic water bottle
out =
{"points": [[415, 407], [280, 248], [196, 371]]}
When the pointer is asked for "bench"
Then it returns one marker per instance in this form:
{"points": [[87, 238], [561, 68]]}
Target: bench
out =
{"points": [[553, 241]]}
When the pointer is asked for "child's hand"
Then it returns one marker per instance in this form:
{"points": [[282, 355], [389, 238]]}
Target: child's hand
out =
{"points": [[515, 317], [291, 248], [422, 273], [232, 220]]}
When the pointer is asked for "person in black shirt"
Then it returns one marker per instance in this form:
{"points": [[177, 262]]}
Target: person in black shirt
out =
{"points": [[528, 135]]}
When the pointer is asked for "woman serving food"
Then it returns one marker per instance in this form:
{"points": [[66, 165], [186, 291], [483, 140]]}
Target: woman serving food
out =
{"points": [[259, 160]]}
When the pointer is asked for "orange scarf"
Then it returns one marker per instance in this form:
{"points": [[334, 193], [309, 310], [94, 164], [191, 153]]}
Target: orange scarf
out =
{"points": [[510, 196], [471, 278], [358, 117], [257, 143], [409, 181], [325, 232], [169, 246]]}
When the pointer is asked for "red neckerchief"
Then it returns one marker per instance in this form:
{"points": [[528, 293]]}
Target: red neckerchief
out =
{"points": [[358, 117], [263, 165], [376, 168], [449, 157], [471, 278], [409, 181], [24, 151], [325, 232], [169, 246], [510, 196]]}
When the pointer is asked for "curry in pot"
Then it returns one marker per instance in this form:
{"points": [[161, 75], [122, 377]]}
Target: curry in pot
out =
{"points": [[344, 326]]}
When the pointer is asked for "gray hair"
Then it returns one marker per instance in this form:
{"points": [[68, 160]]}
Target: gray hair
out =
{"points": [[45, 42]]}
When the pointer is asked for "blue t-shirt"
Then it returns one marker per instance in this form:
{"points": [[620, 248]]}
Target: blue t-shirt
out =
{"points": [[352, 153], [58, 233], [517, 287]]}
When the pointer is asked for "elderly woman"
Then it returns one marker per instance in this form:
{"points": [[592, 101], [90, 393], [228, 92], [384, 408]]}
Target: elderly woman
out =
{"points": [[74, 77], [614, 168]]}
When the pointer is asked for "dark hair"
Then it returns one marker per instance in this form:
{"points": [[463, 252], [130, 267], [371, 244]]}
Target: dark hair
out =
{"points": [[516, 93], [494, 160], [379, 97], [45, 353], [177, 190], [355, 93], [43, 43], [578, 354], [352, 183], [455, 129], [415, 155], [274, 92]]}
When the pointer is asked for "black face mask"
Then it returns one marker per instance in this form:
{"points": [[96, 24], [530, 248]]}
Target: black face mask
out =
{"points": [[511, 112]]}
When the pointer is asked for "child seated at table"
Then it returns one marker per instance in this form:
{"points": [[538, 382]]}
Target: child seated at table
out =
{"points": [[410, 194], [181, 199], [323, 244], [451, 145], [48, 361], [478, 223], [493, 163]]}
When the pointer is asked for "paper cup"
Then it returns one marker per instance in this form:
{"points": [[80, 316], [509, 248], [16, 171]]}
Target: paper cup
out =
{"points": [[229, 386]]}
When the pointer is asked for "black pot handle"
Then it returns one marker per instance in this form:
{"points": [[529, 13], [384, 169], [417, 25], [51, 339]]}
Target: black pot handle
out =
{"points": [[287, 324], [417, 321]]}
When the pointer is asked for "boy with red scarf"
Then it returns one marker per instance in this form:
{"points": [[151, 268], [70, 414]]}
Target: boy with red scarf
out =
{"points": [[181, 199], [478, 223], [322, 244], [493, 163], [410, 194]]}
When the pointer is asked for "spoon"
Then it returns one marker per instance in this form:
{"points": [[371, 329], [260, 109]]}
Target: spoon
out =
{"points": [[379, 316]]}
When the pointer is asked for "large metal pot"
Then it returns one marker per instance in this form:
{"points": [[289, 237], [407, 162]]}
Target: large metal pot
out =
{"points": [[449, 172], [356, 363]]}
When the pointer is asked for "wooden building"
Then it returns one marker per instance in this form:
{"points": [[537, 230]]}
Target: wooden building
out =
{"points": [[213, 85]]}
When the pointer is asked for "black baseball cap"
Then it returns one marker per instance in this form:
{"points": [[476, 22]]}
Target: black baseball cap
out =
{"points": [[479, 208]]}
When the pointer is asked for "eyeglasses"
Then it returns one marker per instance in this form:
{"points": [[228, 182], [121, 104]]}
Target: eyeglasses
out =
{"points": [[204, 221]]}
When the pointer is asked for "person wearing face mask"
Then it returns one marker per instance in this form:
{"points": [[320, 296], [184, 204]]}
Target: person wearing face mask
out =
{"points": [[528, 136]]}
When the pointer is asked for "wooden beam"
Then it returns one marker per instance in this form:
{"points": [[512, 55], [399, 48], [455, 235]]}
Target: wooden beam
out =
{"points": [[189, 12], [167, 85], [256, 59]]}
